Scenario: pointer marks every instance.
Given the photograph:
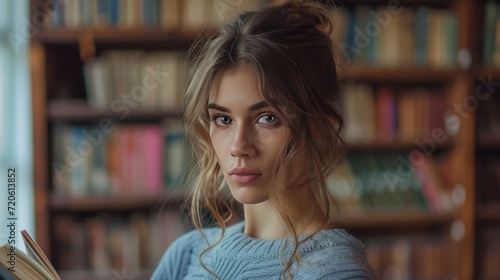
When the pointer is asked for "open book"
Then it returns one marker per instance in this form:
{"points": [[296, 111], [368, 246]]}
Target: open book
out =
{"points": [[15, 264]]}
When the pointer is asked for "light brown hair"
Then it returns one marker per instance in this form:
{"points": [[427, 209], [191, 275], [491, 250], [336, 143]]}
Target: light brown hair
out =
{"points": [[289, 48]]}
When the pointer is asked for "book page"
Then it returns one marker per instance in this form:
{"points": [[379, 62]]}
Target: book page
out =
{"points": [[36, 252]]}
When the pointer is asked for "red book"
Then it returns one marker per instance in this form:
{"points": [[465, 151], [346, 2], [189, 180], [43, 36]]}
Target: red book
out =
{"points": [[386, 115]]}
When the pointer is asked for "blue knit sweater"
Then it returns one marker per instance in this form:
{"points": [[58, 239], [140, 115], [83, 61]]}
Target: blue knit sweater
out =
{"points": [[331, 254]]}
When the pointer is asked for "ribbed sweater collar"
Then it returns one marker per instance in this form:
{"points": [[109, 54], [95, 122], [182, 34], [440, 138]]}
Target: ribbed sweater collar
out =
{"points": [[238, 245]]}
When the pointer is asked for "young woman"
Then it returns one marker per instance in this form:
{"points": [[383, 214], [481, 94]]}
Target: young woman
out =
{"points": [[263, 111]]}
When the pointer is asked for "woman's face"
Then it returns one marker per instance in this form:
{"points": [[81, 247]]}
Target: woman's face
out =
{"points": [[246, 134]]}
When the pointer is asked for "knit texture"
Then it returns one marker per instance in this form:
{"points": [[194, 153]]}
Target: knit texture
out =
{"points": [[330, 254]]}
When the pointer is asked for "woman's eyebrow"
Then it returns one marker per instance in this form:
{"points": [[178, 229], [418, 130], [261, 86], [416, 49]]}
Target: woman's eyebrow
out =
{"points": [[259, 105], [254, 107], [218, 108]]}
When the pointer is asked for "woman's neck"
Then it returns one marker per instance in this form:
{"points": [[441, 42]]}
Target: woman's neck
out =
{"points": [[263, 222]]}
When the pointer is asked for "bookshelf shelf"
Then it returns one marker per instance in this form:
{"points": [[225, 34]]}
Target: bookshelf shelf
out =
{"points": [[488, 212], [79, 111], [393, 220], [431, 3], [121, 36], [115, 203], [486, 144], [407, 74], [487, 71], [395, 145], [114, 274]]}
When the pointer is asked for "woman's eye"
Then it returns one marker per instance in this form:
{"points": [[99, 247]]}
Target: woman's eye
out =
{"points": [[268, 119], [222, 120]]}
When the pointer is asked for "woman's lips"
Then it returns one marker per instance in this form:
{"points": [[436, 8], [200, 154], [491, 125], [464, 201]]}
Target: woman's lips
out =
{"points": [[244, 175], [243, 179]]}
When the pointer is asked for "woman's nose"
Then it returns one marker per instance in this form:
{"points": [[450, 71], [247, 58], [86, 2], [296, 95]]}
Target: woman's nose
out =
{"points": [[243, 144]]}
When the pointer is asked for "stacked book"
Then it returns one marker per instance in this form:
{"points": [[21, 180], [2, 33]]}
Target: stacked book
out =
{"points": [[390, 182], [395, 37], [132, 159], [390, 115]]}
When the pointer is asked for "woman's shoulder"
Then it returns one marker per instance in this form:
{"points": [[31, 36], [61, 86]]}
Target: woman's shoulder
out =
{"points": [[333, 238], [335, 253]]}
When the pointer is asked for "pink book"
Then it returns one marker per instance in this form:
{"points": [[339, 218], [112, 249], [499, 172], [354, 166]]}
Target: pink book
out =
{"points": [[153, 153]]}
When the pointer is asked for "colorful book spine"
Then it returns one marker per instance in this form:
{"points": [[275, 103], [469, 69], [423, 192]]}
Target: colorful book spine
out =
{"points": [[131, 160]]}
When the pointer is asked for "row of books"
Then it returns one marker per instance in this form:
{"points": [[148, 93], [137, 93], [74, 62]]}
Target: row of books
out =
{"points": [[388, 114], [106, 242], [131, 159], [135, 80], [407, 258], [491, 34], [394, 37], [166, 14], [488, 253], [389, 182]]}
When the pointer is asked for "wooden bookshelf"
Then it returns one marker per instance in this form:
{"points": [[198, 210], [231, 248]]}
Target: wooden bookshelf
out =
{"points": [[79, 110], [115, 274], [115, 203], [408, 219], [147, 35], [402, 75], [488, 144], [486, 72], [394, 145], [55, 57], [431, 3], [488, 213]]}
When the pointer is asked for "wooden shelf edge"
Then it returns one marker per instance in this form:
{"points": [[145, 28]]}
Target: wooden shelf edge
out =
{"points": [[398, 74], [78, 110], [485, 72], [115, 203], [491, 142], [392, 220], [121, 35], [432, 3], [111, 274], [489, 212], [395, 145]]}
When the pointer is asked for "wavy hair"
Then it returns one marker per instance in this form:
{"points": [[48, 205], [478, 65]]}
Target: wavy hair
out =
{"points": [[289, 48]]}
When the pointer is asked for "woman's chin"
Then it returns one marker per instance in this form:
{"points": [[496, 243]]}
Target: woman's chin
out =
{"points": [[249, 196]]}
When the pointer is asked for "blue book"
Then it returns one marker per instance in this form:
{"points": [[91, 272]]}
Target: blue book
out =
{"points": [[349, 37], [150, 9], [102, 12], [113, 12], [58, 16], [421, 25]]}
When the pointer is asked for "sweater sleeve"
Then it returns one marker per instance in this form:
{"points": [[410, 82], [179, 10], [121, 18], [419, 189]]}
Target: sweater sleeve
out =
{"points": [[176, 260]]}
